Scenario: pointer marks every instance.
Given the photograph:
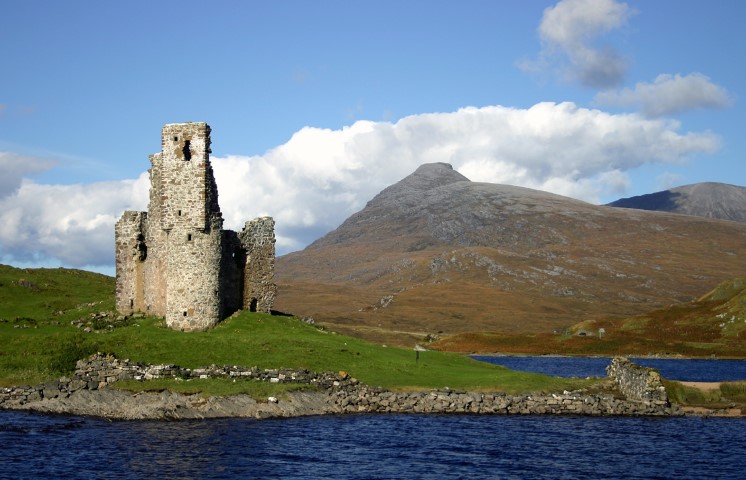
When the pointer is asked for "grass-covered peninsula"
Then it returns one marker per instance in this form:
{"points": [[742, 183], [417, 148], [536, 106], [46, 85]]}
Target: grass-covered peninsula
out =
{"points": [[49, 318]]}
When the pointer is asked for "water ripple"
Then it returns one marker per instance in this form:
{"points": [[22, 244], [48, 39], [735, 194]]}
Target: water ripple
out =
{"points": [[374, 446]]}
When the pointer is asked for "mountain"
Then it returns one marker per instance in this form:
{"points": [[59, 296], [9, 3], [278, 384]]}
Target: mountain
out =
{"points": [[711, 200], [437, 253]]}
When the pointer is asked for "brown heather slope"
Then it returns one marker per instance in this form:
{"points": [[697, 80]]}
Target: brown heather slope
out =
{"points": [[436, 253], [714, 324]]}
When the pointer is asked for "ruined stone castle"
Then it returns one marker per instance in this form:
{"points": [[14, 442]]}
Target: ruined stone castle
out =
{"points": [[176, 260]]}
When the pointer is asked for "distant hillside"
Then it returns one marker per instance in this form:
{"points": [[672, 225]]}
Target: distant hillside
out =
{"points": [[710, 200], [714, 324], [714, 320], [436, 252]]}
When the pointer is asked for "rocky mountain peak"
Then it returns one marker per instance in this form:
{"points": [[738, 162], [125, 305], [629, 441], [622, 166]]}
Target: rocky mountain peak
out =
{"points": [[708, 199], [431, 175], [427, 177]]}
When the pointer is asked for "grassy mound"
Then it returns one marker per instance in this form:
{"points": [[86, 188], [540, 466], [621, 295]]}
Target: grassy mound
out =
{"points": [[32, 294]]}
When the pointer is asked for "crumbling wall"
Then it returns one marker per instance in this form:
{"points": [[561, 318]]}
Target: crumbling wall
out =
{"points": [[258, 238], [155, 239], [637, 382], [343, 393], [131, 253]]}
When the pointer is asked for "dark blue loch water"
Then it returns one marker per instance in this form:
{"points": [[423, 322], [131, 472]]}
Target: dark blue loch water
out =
{"points": [[374, 446], [687, 370]]}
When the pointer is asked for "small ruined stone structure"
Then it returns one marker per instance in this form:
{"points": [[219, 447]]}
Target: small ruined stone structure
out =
{"points": [[175, 260]]}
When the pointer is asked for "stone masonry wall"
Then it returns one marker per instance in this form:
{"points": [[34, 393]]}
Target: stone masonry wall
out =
{"points": [[637, 382], [193, 223], [131, 252], [258, 238], [186, 177], [154, 270], [193, 279]]}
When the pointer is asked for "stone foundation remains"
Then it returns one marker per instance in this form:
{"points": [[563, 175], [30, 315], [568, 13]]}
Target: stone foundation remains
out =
{"points": [[176, 260], [344, 394]]}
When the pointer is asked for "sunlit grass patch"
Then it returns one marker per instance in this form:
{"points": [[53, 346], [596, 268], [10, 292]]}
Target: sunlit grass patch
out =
{"points": [[734, 391]]}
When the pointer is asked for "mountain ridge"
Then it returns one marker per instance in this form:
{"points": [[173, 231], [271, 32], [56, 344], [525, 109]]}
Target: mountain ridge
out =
{"points": [[706, 199], [436, 252]]}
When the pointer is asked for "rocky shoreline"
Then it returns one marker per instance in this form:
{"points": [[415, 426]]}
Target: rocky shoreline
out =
{"points": [[638, 392]]}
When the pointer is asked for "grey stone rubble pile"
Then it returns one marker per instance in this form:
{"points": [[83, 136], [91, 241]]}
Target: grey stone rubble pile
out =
{"points": [[347, 395]]}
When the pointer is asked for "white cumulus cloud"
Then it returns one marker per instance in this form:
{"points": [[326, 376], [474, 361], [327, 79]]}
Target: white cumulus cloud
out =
{"points": [[669, 94], [71, 223], [570, 31], [320, 177]]}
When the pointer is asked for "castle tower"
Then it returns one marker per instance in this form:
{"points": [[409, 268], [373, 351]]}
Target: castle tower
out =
{"points": [[192, 222]]}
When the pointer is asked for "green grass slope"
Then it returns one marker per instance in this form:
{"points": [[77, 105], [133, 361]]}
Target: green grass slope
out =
{"points": [[729, 308], [39, 340], [35, 294]]}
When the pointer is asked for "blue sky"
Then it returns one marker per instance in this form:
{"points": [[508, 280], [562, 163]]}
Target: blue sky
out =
{"points": [[317, 106]]}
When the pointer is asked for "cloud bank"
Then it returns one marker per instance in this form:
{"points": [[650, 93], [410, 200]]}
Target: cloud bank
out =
{"points": [[570, 33], [71, 225], [669, 95], [319, 177]]}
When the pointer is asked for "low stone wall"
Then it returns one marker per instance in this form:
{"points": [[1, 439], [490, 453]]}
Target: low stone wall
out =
{"points": [[346, 395], [636, 382], [364, 399]]}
